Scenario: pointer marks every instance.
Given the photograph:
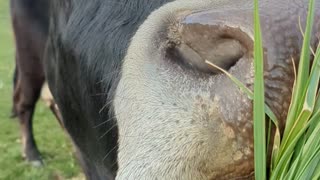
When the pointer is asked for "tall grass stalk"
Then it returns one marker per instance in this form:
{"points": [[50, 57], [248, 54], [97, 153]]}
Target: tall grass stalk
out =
{"points": [[259, 123]]}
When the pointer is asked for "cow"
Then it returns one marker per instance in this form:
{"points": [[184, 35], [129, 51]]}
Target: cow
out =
{"points": [[30, 23], [138, 99]]}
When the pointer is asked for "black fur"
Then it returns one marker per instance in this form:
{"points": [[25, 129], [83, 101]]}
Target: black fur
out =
{"points": [[87, 42]]}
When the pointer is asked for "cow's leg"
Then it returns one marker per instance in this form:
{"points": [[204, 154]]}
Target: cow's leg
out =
{"points": [[55, 110], [26, 94], [47, 97], [30, 43], [15, 79]]}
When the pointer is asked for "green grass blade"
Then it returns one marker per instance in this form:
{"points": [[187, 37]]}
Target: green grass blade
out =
{"points": [[309, 168], [277, 172], [316, 114], [269, 134], [309, 151], [248, 92], [287, 154], [310, 99], [293, 169], [290, 149], [303, 73], [315, 69], [314, 121], [308, 105], [316, 174], [285, 169], [295, 131], [241, 86], [275, 150], [259, 123], [299, 148]]}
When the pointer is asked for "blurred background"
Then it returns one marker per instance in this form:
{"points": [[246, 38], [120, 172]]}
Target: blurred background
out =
{"points": [[56, 149]]}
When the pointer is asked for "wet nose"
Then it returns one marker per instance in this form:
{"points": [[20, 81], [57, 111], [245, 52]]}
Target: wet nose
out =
{"points": [[210, 36]]}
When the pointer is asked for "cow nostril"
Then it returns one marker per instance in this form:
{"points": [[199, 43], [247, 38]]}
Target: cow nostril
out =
{"points": [[193, 43], [224, 53]]}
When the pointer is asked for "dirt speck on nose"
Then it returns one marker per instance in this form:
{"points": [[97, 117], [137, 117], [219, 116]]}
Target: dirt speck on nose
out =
{"points": [[229, 132], [238, 156]]}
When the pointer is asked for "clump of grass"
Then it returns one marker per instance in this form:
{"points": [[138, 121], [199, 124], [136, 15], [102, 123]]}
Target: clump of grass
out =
{"points": [[297, 154]]}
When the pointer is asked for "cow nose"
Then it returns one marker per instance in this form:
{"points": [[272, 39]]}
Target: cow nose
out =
{"points": [[203, 36]]}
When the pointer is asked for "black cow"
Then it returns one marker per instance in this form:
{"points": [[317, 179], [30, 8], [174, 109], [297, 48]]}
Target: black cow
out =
{"points": [[137, 97], [30, 22]]}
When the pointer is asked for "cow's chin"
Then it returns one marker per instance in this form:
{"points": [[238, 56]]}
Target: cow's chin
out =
{"points": [[176, 118]]}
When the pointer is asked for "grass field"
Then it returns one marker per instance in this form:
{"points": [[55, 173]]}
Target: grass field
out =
{"points": [[52, 142]]}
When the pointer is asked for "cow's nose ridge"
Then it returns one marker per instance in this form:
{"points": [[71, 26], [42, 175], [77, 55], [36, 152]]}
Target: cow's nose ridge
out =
{"points": [[200, 36]]}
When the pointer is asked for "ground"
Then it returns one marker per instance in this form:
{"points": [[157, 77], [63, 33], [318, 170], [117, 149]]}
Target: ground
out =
{"points": [[52, 141]]}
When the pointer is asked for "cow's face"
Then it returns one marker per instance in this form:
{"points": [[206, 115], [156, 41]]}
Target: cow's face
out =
{"points": [[178, 118]]}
